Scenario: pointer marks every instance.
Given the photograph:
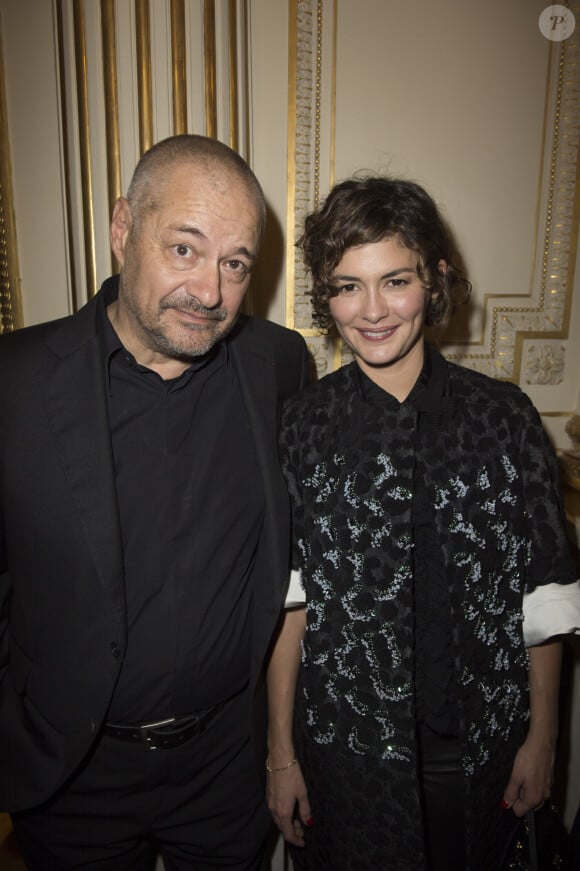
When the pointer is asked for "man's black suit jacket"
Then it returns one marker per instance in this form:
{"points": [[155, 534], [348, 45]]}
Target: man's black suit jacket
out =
{"points": [[62, 600]]}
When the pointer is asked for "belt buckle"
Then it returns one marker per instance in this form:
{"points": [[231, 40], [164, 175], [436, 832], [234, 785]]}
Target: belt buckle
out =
{"points": [[149, 740]]}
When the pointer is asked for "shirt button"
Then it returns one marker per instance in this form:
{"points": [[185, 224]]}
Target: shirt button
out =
{"points": [[115, 650]]}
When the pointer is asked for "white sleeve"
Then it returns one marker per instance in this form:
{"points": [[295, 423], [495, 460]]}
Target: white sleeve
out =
{"points": [[296, 594], [552, 609]]}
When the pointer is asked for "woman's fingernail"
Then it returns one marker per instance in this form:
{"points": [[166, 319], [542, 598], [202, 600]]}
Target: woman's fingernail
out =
{"points": [[505, 804], [309, 822]]}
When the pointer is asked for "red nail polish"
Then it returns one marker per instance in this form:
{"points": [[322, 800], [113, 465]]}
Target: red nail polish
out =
{"points": [[309, 822], [505, 804]]}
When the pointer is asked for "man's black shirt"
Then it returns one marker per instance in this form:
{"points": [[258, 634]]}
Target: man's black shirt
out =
{"points": [[191, 506]]}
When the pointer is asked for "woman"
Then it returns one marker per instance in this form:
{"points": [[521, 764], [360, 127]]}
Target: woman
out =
{"points": [[427, 521]]}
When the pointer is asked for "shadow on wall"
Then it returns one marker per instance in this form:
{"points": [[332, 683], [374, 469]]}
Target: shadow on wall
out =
{"points": [[268, 268]]}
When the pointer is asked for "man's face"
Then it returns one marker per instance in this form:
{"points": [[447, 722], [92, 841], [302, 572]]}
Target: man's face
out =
{"points": [[185, 271]]}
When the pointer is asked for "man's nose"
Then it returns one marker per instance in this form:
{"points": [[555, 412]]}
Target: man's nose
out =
{"points": [[205, 286]]}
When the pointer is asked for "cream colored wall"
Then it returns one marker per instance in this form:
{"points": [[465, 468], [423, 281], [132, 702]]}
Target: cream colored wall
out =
{"points": [[465, 117], [447, 94], [34, 131], [460, 96]]}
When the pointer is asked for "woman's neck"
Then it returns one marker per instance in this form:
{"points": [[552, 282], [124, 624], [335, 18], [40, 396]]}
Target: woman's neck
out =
{"points": [[398, 378]]}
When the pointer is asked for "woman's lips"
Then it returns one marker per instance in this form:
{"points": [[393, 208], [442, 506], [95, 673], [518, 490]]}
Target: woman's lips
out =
{"points": [[376, 335]]}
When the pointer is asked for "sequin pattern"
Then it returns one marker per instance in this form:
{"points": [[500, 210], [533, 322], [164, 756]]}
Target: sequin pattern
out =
{"points": [[349, 464]]}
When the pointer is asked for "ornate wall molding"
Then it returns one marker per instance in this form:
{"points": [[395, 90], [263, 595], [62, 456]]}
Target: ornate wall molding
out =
{"points": [[307, 112], [515, 350], [131, 74], [522, 338]]}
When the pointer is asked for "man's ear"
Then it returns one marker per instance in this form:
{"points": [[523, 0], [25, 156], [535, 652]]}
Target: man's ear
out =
{"points": [[120, 226]]}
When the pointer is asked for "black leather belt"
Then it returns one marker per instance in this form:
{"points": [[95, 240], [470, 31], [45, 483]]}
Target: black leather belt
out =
{"points": [[164, 734]]}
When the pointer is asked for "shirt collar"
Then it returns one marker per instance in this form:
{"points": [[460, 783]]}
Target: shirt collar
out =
{"points": [[370, 390], [430, 395]]}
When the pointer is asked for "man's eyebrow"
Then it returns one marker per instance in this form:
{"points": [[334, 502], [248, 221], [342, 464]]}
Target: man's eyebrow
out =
{"points": [[188, 228], [243, 250], [199, 234]]}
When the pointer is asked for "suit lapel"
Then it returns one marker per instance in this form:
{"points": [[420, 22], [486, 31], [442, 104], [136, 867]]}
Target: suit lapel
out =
{"points": [[257, 377], [77, 408], [79, 417]]}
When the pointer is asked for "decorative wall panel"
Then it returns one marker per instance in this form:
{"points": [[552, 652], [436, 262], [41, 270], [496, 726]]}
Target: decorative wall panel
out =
{"points": [[312, 58], [521, 333], [513, 347], [131, 74]]}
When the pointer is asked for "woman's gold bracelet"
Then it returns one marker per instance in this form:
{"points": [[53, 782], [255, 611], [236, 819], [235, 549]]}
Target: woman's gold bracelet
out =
{"points": [[284, 767]]}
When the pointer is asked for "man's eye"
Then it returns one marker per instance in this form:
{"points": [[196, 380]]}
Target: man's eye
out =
{"points": [[182, 250], [237, 269]]}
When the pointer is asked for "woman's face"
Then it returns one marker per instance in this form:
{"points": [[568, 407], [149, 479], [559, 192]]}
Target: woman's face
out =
{"points": [[379, 310]]}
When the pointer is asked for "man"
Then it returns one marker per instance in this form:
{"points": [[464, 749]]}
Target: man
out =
{"points": [[144, 538]]}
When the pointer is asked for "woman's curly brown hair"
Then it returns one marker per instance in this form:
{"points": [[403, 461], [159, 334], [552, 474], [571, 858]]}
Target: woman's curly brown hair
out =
{"points": [[360, 211]]}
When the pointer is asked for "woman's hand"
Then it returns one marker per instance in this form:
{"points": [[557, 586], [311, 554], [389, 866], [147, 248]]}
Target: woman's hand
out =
{"points": [[286, 792], [531, 779]]}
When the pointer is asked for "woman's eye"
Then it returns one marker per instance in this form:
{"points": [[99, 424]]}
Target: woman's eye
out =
{"points": [[182, 250], [347, 288], [397, 282]]}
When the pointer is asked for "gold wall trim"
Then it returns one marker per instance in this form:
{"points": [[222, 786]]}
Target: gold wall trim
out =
{"points": [[291, 162], [233, 69], [317, 97], [304, 94], [306, 29], [333, 94], [245, 67], [65, 155], [336, 343], [209, 46], [85, 147], [109, 39], [10, 299], [144, 84], [178, 67]]}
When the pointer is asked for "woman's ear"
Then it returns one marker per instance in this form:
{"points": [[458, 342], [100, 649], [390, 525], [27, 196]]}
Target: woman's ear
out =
{"points": [[434, 292]]}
